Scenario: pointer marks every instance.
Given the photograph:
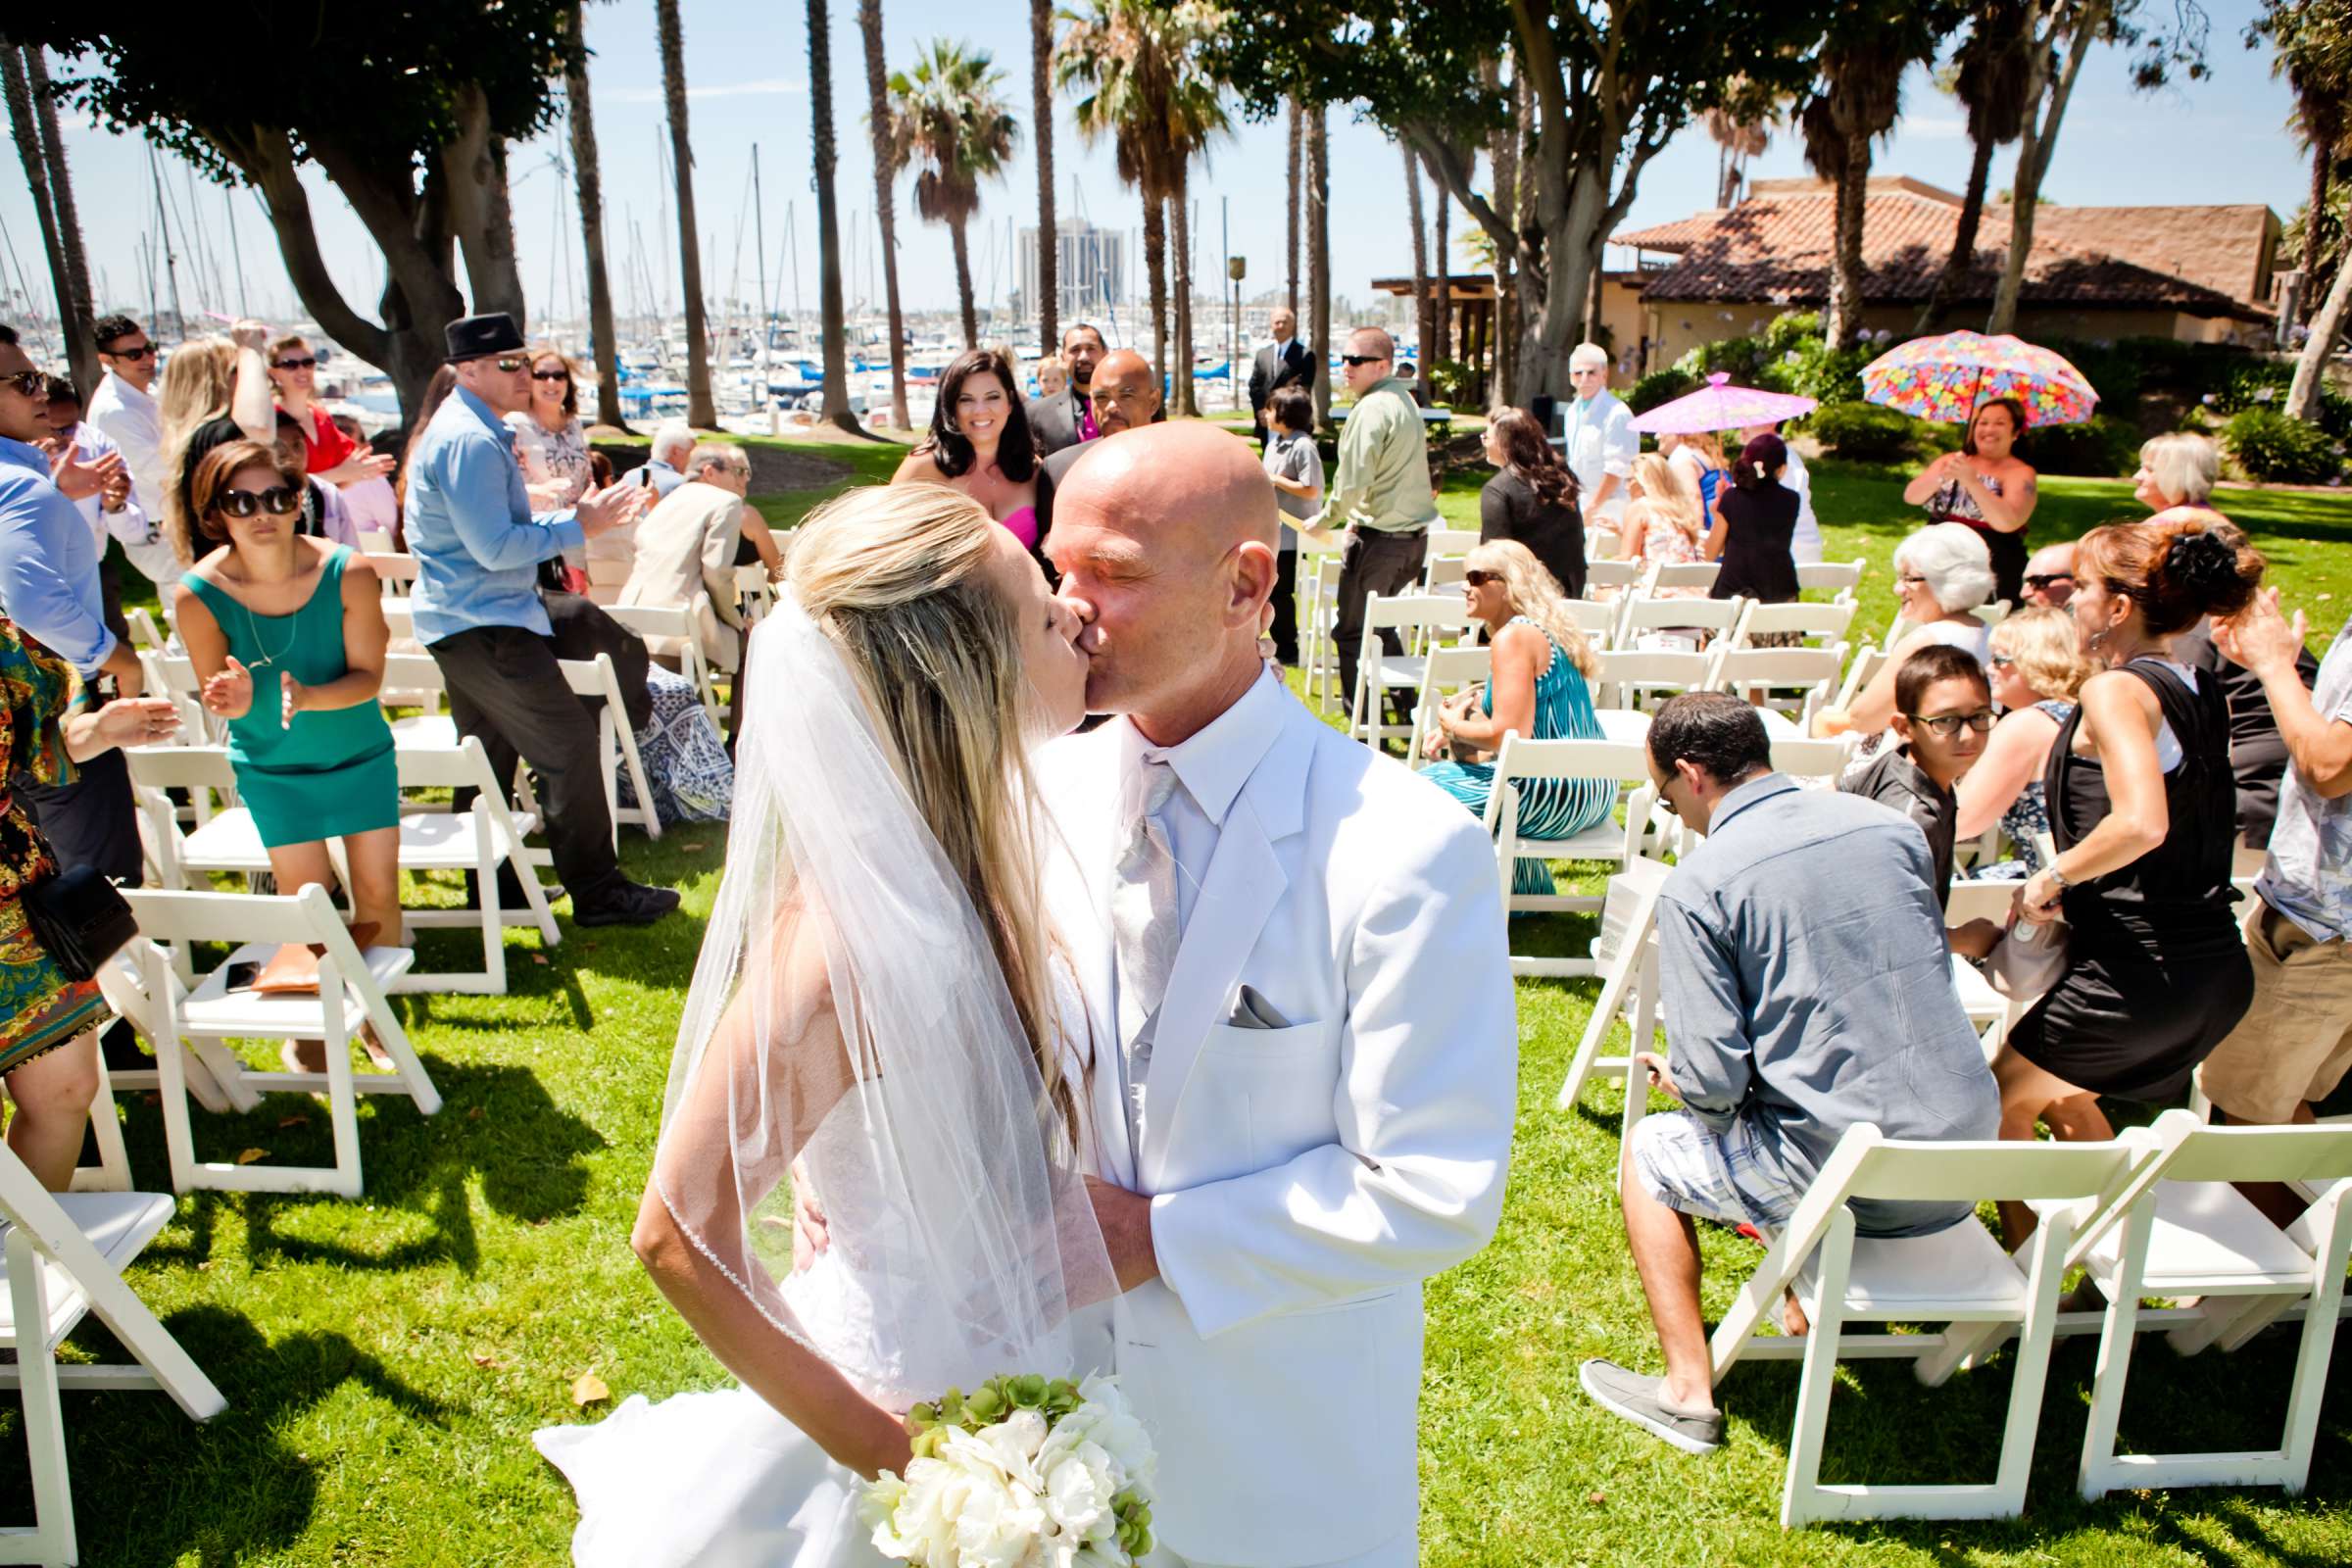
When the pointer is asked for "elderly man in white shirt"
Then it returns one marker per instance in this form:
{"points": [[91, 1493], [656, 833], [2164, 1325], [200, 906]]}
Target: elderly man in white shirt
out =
{"points": [[125, 410], [1602, 442]]}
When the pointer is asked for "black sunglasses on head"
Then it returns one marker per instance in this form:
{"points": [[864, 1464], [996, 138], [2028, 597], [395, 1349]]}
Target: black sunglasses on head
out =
{"points": [[302, 364], [143, 351], [1353, 360], [278, 501]]}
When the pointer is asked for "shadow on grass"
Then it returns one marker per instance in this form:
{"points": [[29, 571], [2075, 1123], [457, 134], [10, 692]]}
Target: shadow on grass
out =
{"points": [[219, 1493], [497, 1123]]}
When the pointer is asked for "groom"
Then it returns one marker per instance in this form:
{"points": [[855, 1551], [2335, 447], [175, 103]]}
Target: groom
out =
{"points": [[1305, 1046]]}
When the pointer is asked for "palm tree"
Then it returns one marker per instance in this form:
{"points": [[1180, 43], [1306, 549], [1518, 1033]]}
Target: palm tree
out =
{"points": [[1988, 78], [1049, 232], [1289, 250], [588, 188], [1736, 141], [886, 206], [1318, 258], [33, 117], [1870, 45], [947, 114], [828, 222], [699, 408], [1502, 156], [1444, 282], [1425, 327]]}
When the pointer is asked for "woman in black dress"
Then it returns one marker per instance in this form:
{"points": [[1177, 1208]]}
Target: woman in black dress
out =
{"points": [[1531, 498], [1755, 518], [2143, 811]]}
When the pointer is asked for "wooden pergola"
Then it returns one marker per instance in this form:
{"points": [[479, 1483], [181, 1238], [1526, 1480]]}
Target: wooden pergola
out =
{"points": [[1471, 303]]}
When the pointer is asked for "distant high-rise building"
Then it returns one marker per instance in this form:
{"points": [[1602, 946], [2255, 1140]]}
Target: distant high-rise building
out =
{"points": [[1091, 276]]}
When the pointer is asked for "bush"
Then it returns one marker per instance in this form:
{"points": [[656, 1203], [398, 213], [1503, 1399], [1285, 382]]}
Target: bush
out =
{"points": [[2264, 384], [1659, 386], [1448, 382], [1863, 431], [2273, 447], [2101, 447], [1791, 332], [1738, 358]]}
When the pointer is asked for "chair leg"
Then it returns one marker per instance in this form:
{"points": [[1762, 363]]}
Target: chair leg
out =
{"points": [[2320, 1323], [342, 1099], [494, 920], [112, 1173], [2032, 1371], [1801, 1493], [2096, 1475], [1605, 1014], [52, 1538]]}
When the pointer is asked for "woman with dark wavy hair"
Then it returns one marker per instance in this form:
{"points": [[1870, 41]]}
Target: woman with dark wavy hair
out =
{"points": [[980, 444], [1531, 498]]}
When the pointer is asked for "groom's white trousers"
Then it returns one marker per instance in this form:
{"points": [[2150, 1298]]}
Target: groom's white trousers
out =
{"points": [[1402, 1552]]}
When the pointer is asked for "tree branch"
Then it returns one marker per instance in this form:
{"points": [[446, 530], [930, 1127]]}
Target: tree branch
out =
{"points": [[268, 159]]}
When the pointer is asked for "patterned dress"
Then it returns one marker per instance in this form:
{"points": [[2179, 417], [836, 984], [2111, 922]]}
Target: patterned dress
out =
{"points": [[1552, 808], [2028, 814], [686, 763], [41, 1008]]}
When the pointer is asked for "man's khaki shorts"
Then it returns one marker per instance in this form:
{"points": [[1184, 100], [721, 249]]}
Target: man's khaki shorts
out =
{"points": [[2295, 1042]]}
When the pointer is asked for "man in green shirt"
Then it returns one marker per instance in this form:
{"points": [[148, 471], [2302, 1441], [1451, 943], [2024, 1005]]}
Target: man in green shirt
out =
{"points": [[1382, 496]]}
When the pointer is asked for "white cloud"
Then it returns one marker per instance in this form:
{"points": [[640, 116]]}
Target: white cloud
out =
{"points": [[769, 87]]}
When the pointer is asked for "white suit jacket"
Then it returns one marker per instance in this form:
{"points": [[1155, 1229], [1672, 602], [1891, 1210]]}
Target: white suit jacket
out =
{"points": [[1306, 1179]]}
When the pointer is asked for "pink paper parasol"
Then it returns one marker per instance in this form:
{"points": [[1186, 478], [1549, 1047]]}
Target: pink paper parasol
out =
{"points": [[1720, 405]]}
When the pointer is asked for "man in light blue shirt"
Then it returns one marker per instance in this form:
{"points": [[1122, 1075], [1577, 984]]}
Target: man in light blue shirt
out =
{"points": [[477, 610], [665, 466], [1601, 439], [49, 586]]}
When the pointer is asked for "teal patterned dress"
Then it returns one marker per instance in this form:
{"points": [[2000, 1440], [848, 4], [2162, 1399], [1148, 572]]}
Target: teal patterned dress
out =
{"points": [[41, 1008], [1552, 808]]}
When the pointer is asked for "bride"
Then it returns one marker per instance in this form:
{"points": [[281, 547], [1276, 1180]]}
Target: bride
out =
{"points": [[878, 1017]]}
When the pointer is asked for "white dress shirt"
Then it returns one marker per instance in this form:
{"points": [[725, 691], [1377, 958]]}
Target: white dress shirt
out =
{"points": [[140, 533], [134, 421], [1601, 440]]}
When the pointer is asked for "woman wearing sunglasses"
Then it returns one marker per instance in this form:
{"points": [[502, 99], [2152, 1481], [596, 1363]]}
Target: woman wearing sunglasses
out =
{"points": [[2037, 670], [1538, 689], [329, 456], [548, 436], [288, 634]]}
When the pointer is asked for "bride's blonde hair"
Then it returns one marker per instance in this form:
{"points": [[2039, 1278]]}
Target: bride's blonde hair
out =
{"points": [[897, 577]]}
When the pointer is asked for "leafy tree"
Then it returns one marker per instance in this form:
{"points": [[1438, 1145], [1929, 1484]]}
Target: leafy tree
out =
{"points": [[2313, 40], [1612, 81], [1989, 77], [945, 115], [406, 109]]}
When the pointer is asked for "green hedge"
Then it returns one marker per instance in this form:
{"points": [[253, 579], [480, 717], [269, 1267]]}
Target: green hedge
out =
{"points": [[2270, 446], [1864, 431], [2102, 448], [1659, 386]]}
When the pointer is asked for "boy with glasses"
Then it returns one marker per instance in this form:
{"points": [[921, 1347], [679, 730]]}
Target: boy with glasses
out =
{"points": [[1943, 712]]}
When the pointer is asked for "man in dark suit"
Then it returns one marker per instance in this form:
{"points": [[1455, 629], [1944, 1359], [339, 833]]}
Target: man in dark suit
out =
{"points": [[1126, 394], [1067, 417], [1285, 362]]}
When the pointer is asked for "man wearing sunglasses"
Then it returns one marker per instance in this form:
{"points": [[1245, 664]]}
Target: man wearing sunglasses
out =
{"points": [[49, 586], [1381, 496], [124, 409], [2050, 575], [478, 612], [1943, 712]]}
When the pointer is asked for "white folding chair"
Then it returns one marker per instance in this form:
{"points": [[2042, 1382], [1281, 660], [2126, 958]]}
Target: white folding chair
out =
{"points": [[1958, 1275], [755, 590], [1417, 619], [1639, 614], [1521, 763], [414, 680], [1628, 677], [1687, 574], [64, 1256], [481, 840], [174, 676], [1860, 671], [123, 983], [1838, 578], [377, 542], [1444, 572], [607, 577], [615, 744], [1821, 625], [1626, 959], [1449, 542], [356, 983], [1318, 649], [1445, 672], [1767, 673], [1805, 757], [670, 632], [395, 574], [1596, 621], [145, 635], [1618, 575]]}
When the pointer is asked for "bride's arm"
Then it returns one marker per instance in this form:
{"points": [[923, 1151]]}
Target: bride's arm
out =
{"points": [[694, 1160]]}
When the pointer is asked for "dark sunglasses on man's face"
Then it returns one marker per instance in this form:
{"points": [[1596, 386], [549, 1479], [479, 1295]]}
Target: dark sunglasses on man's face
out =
{"points": [[303, 364], [2042, 581], [510, 364], [1352, 360], [143, 351], [278, 501], [28, 383]]}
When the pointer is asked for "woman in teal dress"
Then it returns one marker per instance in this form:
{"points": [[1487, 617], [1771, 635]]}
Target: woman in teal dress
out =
{"points": [[288, 634], [1541, 664]]}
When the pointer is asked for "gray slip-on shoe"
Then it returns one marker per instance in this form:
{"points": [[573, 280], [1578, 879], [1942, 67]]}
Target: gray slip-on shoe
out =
{"points": [[1636, 1397]]}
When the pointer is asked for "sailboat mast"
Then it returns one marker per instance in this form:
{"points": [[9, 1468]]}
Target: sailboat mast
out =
{"points": [[759, 245], [164, 224], [236, 250]]}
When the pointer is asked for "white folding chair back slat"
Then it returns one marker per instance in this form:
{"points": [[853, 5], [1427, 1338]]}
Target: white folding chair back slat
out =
{"points": [[1417, 619], [1451, 542], [1520, 762], [1859, 673], [617, 744], [682, 640], [1808, 672], [1597, 621], [1624, 958], [1840, 577], [145, 635], [1619, 574], [1317, 648], [1823, 626], [397, 573], [1687, 574], [1444, 571], [377, 542], [489, 834], [1623, 676], [1446, 671]]}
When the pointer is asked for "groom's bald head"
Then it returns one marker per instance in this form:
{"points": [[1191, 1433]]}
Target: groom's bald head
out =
{"points": [[1165, 537]]}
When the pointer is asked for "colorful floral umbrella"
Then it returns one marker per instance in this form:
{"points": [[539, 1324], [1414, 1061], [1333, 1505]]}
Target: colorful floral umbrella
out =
{"points": [[1719, 405], [1948, 378]]}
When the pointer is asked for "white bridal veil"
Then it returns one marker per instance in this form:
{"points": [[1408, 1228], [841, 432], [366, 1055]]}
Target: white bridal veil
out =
{"points": [[848, 1012]]}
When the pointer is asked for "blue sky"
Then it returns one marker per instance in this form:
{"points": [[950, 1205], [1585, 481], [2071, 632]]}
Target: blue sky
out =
{"points": [[2220, 140]]}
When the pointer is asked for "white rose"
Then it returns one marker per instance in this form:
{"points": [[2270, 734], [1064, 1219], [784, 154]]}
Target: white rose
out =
{"points": [[998, 1519], [1106, 1419], [1015, 1441], [1079, 1488], [921, 1527]]}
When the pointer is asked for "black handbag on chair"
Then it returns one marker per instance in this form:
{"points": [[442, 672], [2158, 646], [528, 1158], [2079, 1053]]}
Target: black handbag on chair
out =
{"points": [[80, 919]]}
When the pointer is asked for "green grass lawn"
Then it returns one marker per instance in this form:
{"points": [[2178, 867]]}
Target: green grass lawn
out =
{"points": [[386, 1360]]}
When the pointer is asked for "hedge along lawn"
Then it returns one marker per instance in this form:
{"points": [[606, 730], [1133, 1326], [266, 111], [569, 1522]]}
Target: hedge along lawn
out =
{"points": [[386, 1360]]}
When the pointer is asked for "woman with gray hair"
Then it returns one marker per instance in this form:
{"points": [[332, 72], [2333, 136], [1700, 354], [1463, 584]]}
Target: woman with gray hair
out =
{"points": [[1941, 574], [2176, 474]]}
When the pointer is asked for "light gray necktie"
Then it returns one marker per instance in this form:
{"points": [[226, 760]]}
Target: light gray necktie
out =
{"points": [[1145, 931]]}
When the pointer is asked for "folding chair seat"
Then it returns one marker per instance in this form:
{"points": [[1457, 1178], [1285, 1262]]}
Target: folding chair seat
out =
{"points": [[488, 834], [1417, 619], [1641, 615], [1821, 625], [1521, 763], [1808, 757], [615, 742], [1837, 578], [1958, 1276], [64, 1254], [351, 994], [1625, 956]]}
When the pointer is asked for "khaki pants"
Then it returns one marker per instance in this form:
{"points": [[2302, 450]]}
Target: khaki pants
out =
{"points": [[2294, 1044]]}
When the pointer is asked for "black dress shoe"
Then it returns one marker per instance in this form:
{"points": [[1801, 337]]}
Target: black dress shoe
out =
{"points": [[625, 904]]}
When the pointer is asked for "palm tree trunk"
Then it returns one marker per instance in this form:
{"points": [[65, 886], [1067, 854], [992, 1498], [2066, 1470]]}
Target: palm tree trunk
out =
{"points": [[2034, 151], [37, 169], [838, 412], [701, 410], [1318, 258], [1156, 269], [1444, 258], [1963, 259], [1502, 155], [1424, 318], [588, 186], [1182, 359], [886, 206], [1049, 232], [82, 346], [2318, 223], [2326, 325], [1844, 323], [1290, 252], [963, 282]]}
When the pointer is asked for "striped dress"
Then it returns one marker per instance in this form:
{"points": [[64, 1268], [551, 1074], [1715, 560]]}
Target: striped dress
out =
{"points": [[1552, 808]]}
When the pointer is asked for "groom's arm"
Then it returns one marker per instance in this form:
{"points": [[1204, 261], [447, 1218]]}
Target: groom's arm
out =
{"points": [[1428, 1086]]}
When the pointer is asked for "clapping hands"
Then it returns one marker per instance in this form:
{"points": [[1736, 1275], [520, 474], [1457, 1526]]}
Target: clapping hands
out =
{"points": [[2260, 638], [80, 480], [229, 692], [615, 506]]}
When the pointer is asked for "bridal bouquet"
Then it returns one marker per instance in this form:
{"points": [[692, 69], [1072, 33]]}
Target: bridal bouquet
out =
{"points": [[1020, 1473]]}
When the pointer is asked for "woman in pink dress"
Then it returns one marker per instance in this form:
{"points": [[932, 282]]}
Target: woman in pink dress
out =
{"points": [[980, 444]]}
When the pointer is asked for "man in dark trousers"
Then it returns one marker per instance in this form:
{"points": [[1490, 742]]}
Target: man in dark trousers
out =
{"points": [[1068, 416], [1285, 362], [478, 611]]}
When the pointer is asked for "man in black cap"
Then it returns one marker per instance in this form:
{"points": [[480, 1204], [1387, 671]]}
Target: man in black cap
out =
{"points": [[479, 613]]}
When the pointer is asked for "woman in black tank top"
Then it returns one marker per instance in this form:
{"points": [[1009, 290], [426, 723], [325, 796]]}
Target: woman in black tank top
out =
{"points": [[2142, 809]]}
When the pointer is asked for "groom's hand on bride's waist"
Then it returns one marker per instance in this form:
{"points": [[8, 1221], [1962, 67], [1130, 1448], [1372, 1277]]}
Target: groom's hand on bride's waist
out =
{"points": [[1125, 1220]]}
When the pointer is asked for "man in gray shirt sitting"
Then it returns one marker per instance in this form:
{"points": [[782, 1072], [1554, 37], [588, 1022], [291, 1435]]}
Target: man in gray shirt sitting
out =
{"points": [[1807, 988]]}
